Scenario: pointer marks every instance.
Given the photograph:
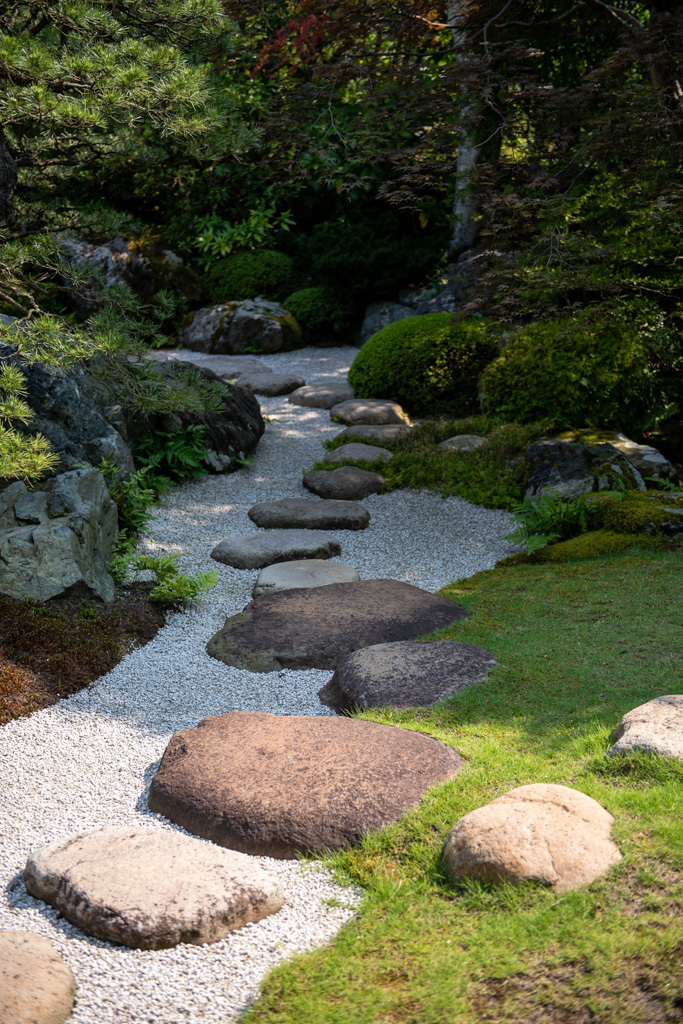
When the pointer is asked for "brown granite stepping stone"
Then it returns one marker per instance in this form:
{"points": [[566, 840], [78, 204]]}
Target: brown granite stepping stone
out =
{"points": [[359, 453], [321, 396], [310, 513], [374, 411], [151, 889], [655, 727], [349, 482], [314, 628], [268, 383], [256, 550], [309, 572], [381, 432], [36, 986], [278, 785], [543, 833], [405, 674]]}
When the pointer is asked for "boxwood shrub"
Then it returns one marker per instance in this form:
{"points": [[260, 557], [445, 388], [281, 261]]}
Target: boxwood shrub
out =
{"points": [[248, 274], [323, 317]]}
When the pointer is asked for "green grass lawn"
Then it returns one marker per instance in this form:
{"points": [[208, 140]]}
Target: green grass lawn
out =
{"points": [[578, 645]]}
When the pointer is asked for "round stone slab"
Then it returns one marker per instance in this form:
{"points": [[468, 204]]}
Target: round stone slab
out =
{"points": [[386, 432], [656, 727], [255, 550], [309, 572], [321, 396], [314, 628], [269, 383], [36, 986], [348, 482], [359, 453], [368, 411], [310, 513], [543, 833], [405, 674], [279, 785], [151, 889], [462, 443]]}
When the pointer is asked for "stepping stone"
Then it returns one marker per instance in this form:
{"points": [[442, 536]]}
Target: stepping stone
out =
{"points": [[656, 727], [269, 383], [314, 628], [382, 432], [405, 674], [346, 482], [279, 785], [545, 833], [255, 550], [310, 513], [309, 572], [359, 453], [375, 411], [36, 986], [227, 367], [463, 443], [151, 889], [321, 396]]}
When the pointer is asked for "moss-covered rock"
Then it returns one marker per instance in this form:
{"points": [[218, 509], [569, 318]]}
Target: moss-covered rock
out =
{"points": [[322, 316], [232, 328], [595, 544], [247, 275], [654, 514]]}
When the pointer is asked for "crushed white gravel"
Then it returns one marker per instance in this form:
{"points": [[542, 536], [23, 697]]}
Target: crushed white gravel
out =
{"points": [[87, 761]]}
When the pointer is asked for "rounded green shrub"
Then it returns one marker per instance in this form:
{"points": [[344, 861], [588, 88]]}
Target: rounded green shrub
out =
{"points": [[248, 274], [321, 315], [597, 367], [429, 363]]}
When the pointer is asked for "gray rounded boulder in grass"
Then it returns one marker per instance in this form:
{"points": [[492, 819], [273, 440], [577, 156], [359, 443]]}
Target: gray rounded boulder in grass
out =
{"points": [[655, 728], [541, 833], [347, 482], [372, 411], [36, 986]]}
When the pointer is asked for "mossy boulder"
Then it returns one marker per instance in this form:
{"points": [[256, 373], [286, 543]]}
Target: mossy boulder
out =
{"points": [[247, 275], [571, 469], [232, 328], [322, 316], [651, 513], [595, 544]]}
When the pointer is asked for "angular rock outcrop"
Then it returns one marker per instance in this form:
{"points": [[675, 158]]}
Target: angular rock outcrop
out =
{"points": [[235, 327], [572, 469]]}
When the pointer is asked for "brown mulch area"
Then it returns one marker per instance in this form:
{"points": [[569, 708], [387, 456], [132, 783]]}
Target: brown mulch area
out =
{"points": [[48, 651]]}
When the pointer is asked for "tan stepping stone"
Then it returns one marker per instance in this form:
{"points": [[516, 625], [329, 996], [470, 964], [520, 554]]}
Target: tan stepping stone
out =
{"points": [[347, 482], [655, 727], [321, 396], [542, 832], [373, 411], [405, 674], [256, 550], [36, 986], [151, 889], [310, 513], [314, 628], [270, 384], [309, 572], [278, 785], [380, 432], [463, 443], [359, 453]]}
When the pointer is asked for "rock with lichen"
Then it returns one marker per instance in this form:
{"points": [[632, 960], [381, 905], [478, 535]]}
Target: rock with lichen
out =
{"points": [[255, 325]]}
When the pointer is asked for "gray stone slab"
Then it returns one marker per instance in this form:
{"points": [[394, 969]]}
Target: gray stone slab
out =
{"points": [[380, 432], [374, 411], [270, 384], [310, 513], [321, 396], [463, 443], [359, 453], [256, 550], [345, 483], [307, 572]]}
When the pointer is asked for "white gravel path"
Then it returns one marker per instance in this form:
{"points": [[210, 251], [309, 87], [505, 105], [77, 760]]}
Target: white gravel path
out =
{"points": [[87, 762]]}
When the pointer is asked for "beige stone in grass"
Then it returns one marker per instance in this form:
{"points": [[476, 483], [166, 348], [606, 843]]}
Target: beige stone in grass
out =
{"points": [[655, 727]]}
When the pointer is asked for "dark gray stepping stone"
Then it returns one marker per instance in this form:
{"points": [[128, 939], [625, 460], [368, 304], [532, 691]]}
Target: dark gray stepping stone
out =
{"points": [[359, 453], [279, 785], [347, 482], [315, 627], [255, 550], [310, 513], [308, 572], [321, 396], [405, 674], [381, 432], [270, 384], [375, 411]]}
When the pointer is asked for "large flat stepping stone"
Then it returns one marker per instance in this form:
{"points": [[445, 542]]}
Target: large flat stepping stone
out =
{"points": [[270, 384], [380, 432], [543, 833], [310, 513], [348, 482], [656, 727], [36, 986], [321, 396], [309, 572], [255, 550], [226, 367], [279, 785], [368, 411], [405, 674], [359, 453], [314, 628], [151, 889]]}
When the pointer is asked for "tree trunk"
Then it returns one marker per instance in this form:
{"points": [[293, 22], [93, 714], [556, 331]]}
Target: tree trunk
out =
{"points": [[464, 202], [8, 182]]}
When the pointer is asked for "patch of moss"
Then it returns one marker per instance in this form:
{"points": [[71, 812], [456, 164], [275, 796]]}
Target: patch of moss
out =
{"points": [[595, 544], [639, 512]]}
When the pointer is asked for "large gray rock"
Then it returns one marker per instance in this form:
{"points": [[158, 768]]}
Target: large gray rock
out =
{"points": [[321, 396], [381, 314], [346, 483], [256, 550], [359, 453], [373, 411], [234, 327], [58, 541], [655, 727], [269, 383], [405, 674], [310, 513], [647, 460], [151, 889], [462, 443], [36, 986], [380, 432], [307, 572], [572, 469]]}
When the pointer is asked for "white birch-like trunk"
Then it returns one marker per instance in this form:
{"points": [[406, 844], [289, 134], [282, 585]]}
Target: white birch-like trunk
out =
{"points": [[464, 212]]}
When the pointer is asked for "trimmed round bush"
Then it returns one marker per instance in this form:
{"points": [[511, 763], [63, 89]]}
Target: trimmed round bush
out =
{"points": [[429, 363], [248, 274], [323, 318]]}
